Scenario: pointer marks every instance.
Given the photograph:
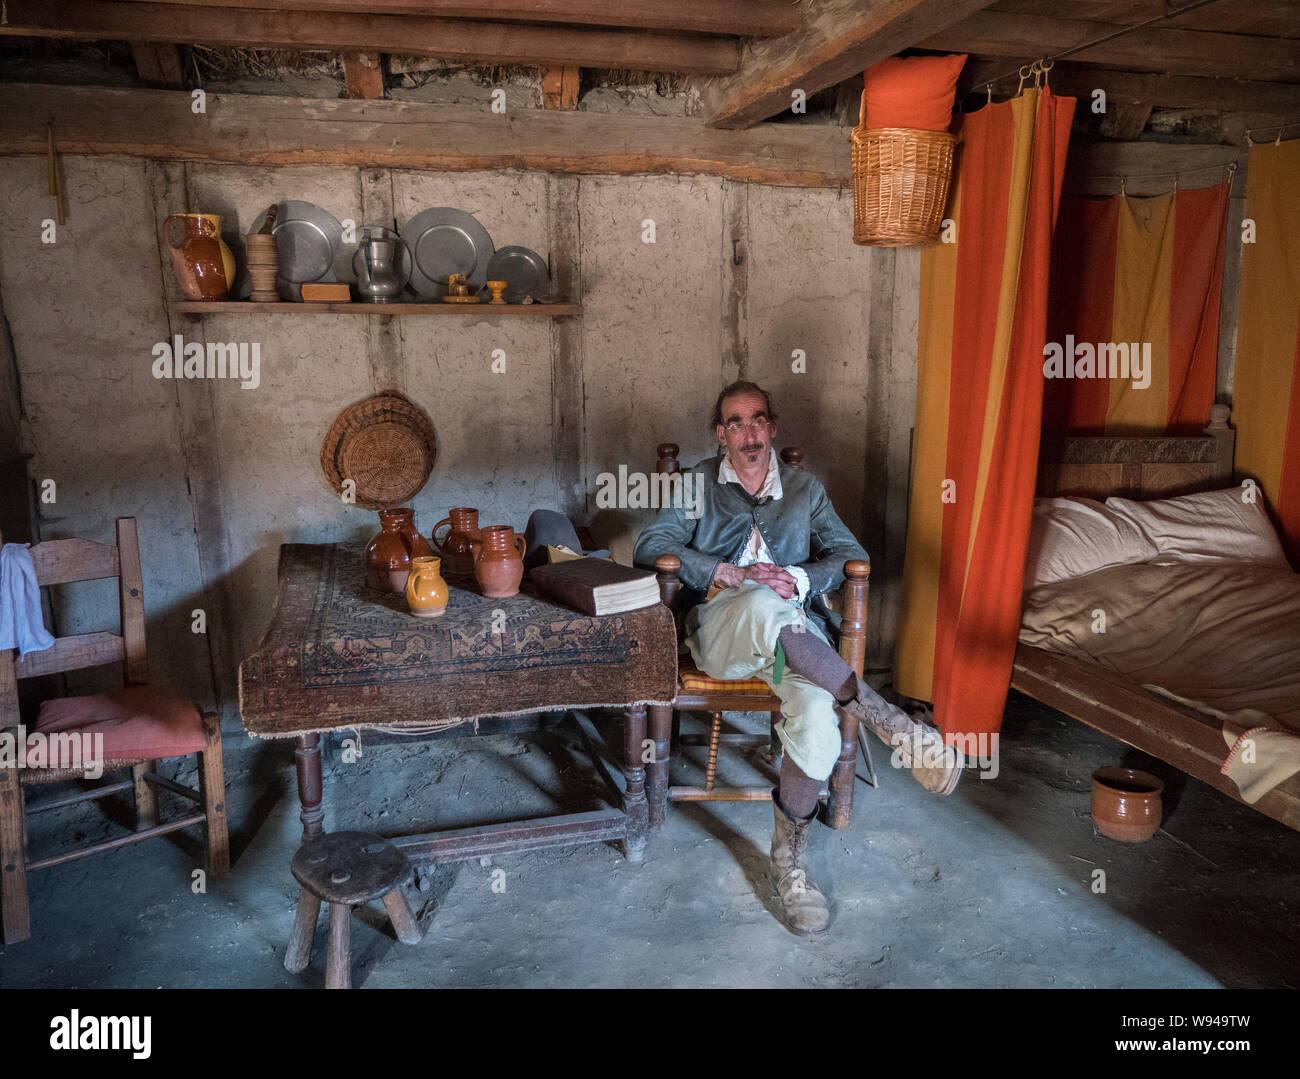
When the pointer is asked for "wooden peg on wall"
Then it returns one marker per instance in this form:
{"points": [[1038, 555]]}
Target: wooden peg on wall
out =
{"points": [[54, 180]]}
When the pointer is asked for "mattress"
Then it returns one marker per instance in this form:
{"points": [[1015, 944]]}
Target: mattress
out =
{"points": [[1223, 638]]}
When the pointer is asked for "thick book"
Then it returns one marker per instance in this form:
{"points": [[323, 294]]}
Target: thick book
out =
{"points": [[596, 585]]}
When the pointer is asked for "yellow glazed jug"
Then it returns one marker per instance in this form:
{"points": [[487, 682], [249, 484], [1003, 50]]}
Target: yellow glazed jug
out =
{"points": [[426, 591]]}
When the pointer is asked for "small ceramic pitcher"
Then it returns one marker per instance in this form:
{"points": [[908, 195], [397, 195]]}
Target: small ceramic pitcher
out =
{"points": [[455, 545], [499, 561], [388, 556], [204, 264], [426, 591]]}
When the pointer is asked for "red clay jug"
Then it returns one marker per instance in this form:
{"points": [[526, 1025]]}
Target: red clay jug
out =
{"points": [[457, 556], [388, 555], [499, 561], [1126, 803]]}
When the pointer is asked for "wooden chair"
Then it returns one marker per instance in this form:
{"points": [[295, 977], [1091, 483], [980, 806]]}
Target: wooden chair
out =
{"points": [[129, 721], [696, 692]]}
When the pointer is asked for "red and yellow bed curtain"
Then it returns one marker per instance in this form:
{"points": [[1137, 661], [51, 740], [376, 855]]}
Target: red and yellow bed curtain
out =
{"points": [[982, 329], [1137, 281], [1266, 379]]}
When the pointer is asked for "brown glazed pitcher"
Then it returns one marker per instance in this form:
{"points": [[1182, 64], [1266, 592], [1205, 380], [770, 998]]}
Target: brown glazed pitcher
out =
{"points": [[204, 264], [388, 555], [457, 557], [499, 561]]}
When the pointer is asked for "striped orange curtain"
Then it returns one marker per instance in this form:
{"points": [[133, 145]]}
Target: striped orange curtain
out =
{"points": [[979, 412], [1266, 382], [1138, 273]]}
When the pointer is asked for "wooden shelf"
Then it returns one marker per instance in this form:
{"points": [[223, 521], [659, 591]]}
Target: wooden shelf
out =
{"points": [[246, 307]]}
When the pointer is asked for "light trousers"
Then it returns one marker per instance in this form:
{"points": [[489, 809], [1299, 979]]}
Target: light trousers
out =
{"points": [[734, 635]]}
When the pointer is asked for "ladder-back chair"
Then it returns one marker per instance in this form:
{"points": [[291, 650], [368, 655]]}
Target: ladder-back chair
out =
{"points": [[138, 727], [697, 692]]}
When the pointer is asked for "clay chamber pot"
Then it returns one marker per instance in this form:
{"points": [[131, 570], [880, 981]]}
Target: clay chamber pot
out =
{"points": [[1126, 803]]}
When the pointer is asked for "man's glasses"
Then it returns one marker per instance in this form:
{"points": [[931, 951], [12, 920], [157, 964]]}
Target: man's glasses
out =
{"points": [[736, 426]]}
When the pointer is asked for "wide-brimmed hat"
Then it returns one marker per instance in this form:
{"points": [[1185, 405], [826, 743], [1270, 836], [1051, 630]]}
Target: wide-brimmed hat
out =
{"points": [[385, 444]]}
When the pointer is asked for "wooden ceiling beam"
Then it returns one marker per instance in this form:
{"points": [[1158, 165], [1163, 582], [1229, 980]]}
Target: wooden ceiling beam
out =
{"points": [[1165, 50], [739, 18], [1270, 18], [1163, 91], [254, 129], [461, 40], [837, 39]]}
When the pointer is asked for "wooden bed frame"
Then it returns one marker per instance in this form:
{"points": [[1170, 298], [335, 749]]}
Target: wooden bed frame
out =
{"points": [[1138, 467]]}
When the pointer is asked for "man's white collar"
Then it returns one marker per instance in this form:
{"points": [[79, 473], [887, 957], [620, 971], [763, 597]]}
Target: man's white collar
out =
{"points": [[771, 482]]}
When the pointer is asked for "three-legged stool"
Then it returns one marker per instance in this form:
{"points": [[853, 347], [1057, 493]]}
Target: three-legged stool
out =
{"points": [[345, 869]]}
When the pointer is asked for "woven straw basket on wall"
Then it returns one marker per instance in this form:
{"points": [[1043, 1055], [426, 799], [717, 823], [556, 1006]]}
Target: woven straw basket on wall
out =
{"points": [[386, 445], [901, 177]]}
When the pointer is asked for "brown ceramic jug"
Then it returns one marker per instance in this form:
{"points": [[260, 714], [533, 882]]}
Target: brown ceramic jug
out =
{"points": [[498, 561], [457, 557], [389, 554], [204, 264]]}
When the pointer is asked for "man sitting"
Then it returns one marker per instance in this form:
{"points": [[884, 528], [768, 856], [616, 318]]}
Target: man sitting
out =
{"points": [[765, 544]]}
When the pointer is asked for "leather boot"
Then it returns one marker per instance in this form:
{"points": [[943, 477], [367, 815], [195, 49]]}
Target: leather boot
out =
{"points": [[803, 907], [934, 764]]}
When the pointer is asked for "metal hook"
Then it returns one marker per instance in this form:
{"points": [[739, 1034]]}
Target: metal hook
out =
{"points": [[989, 87], [1045, 65], [1123, 185], [1025, 72]]}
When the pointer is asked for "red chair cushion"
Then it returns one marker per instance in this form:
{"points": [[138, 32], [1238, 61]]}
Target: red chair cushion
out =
{"points": [[137, 723], [913, 91], [694, 681]]}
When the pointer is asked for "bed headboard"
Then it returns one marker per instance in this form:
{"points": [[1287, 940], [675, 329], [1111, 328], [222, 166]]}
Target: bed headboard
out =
{"points": [[1137, 466]]}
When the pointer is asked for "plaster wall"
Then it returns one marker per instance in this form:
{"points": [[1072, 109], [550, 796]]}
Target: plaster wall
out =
{"points": [[738, 278]]}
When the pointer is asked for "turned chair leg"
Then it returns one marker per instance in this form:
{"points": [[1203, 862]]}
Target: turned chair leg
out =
{"points": [[14, 909], [715, 734], [146, 796], [338, 966], [297, 956], [212, 786]]}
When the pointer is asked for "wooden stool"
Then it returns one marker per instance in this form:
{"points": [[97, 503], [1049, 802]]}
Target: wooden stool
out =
{"points": [[345, 869]]}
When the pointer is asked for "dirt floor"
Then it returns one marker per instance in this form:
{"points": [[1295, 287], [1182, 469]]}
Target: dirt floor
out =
{"points": [[992, 886]]}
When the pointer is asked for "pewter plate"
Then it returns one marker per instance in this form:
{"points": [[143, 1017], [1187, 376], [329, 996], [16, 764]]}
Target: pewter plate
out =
{"points": [[444, 241], [525, 273], [308, 247]]}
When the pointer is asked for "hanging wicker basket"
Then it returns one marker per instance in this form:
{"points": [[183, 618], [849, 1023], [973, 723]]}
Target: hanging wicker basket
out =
{"points": [[901, 177]]}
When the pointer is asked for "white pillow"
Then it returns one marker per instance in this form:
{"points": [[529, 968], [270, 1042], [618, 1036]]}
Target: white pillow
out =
{"points": [[1073, 536], [1209, 526]]}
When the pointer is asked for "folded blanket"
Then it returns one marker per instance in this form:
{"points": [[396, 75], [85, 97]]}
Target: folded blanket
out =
{"points": [[1259, 758], [21, 625]]}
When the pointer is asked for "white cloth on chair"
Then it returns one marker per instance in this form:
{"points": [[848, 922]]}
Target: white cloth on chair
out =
{"points": [[21, 624]]}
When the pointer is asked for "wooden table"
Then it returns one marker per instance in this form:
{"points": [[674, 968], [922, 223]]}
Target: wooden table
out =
{"points": [[339, 655]]}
